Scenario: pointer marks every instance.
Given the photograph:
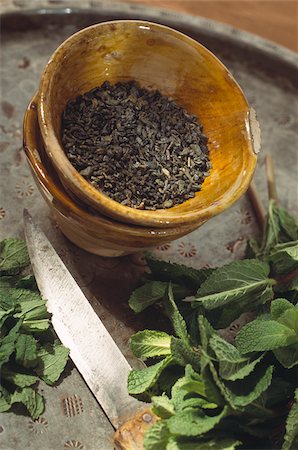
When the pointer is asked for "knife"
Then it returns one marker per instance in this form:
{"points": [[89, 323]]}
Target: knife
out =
{"points": [[92, 349]]}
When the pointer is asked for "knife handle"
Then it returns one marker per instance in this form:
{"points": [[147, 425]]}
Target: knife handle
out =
{"points": [[130, 436]]}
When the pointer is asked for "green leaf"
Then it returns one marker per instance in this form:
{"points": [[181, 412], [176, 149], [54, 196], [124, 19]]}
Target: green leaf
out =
{"points": [[147, 295], [190, 423], [162, 406], [27, 282], [18, 379], [287, 356], [139, 381], [191, 382], [5, 399], [203, 444], [291, 434], [259, 386], [156, 437], [13, 256], [7, 346], [235, 282], [52, 360], [26, 350], [279, 306], [177, 273], [174, 315], [280, 227], [147, 344], [260, 335], [32, 306], [31, 399], [284, 258], [290, 319], [288, 224], [232, 365], [184, 354]]}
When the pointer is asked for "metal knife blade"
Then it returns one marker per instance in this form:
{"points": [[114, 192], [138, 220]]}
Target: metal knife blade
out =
{"points": [[92, 349]]}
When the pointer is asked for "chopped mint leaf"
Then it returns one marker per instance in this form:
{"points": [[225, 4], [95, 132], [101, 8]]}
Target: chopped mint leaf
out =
{"points": [[7, 346], [20, 380], [13, 256], [51, 362], [31, 400], [26, 350]]}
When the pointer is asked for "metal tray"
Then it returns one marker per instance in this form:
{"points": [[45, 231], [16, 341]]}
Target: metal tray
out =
{"points": [[31, 31]]}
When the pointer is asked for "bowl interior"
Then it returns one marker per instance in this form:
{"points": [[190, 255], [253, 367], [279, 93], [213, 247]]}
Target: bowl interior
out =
{"points": [[80, 214], [158, 58]]}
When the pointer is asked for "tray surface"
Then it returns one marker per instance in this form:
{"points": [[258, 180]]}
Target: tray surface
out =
{"points": [[266, 73]]}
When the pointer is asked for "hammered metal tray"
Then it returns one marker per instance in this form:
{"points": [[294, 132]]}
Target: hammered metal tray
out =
{"points": [[31, 31]]}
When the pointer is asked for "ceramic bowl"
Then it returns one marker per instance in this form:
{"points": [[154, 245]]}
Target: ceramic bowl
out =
{"points": [[86, 228], [160, 58]]}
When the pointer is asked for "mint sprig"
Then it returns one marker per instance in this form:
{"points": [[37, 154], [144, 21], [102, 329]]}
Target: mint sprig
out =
{"points": [[235, 335]]}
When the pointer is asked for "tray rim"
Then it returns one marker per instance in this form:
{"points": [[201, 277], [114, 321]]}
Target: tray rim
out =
{"points": [[210, 27]]}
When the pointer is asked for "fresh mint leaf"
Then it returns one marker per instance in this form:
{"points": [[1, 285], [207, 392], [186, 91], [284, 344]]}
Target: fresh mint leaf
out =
{"points": [[258, 386], [190, 423], [20, 380], [291, 434], [51, 362], [7, 346], [26, 350], [279, 306], [146, 295], [191, 382], [284, 258], [203, 444], [280, 227], [174, 315], [27, 282], [139, 381], [156, 437], [162, 406], [184, 354], [177, 273], [152, 292], [13, 256], [31, 400], [235, 282], [290, 319], [232, 365], [260, 335], [287, 356], [147, 344]]}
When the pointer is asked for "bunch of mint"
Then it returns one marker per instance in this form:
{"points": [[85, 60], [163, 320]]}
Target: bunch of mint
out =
{"points": [[228, 376], [29, 350]]}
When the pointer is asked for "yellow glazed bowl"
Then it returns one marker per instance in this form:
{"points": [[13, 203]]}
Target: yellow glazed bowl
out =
{"points": [[86, 228], [160, 58]]}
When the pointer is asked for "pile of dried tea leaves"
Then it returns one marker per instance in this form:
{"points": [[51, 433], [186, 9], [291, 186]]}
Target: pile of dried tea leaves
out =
{"points": [[135, 145]]}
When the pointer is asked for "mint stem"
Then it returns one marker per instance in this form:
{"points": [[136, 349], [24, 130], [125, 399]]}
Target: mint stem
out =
{"points": [[285, 279], [271, 184], [257, 204]]}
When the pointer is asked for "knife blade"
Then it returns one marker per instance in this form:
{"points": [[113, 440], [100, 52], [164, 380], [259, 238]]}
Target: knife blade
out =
{"points": [[92, 349]]}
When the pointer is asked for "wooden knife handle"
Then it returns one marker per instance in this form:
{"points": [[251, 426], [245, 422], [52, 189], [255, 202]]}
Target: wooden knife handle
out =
{"points": [[130, 436]]}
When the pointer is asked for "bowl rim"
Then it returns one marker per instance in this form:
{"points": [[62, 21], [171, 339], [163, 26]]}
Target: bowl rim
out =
{"points": [[100, 201], [59, 193]]}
